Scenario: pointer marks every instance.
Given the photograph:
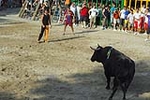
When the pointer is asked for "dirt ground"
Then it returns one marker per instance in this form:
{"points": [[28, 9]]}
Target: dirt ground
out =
{"points": [[61, 69]]}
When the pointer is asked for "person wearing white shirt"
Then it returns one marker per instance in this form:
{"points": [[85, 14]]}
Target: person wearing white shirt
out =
{"points": [[93, 13], [78, 8], [143, 9], [73, 8], [136, 17], [130, 19], [122, 18]]}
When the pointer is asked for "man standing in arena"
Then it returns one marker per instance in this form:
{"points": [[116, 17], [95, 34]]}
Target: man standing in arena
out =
{"points": [[46, 24]]}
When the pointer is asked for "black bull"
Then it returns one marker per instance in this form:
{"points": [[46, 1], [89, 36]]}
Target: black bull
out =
{"points": [[116, 65]]}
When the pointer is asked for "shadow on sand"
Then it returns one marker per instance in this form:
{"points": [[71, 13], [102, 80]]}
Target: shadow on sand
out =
{"points": [[87, 31], [7, 96], [141, 83], [91, 86], [9, 11], [84, 87], [88, 86], [63, 39]]}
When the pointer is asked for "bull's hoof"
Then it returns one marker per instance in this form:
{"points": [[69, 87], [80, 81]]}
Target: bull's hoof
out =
{"points": [[113, 88], [124, 99], [107, 87]]}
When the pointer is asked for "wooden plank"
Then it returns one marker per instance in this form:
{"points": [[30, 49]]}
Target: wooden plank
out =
{"points": [[22, 10], [36, 11]]}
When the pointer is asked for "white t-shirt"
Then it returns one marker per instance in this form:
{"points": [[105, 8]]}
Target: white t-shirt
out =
{"points": [[94, 12], [137, 16], [78, 12], [130, 18], [143, 10], [122, 14], [72, 8], [146, 19]]}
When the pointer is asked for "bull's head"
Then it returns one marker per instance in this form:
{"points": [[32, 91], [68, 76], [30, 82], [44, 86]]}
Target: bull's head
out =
{"points": [[96, 54]]}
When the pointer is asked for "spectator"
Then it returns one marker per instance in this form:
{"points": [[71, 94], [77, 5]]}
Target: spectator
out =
{"points": [[73, 8], [148, 30], [106, 15], [112, 10], [78, 9], [67, 3], [146, 21], [143, 9], [136, 16], [116, 20], [126, 20], [122, 18], [130, 20], [84, 15], [68, 17], [93, 13]]}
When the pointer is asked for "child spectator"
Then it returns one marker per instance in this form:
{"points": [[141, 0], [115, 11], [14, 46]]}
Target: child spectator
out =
{"points": [[130, 20], [116, 17], [68, 20]]}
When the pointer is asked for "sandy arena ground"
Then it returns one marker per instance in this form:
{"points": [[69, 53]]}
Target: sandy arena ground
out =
{"points": [[61, 69]]}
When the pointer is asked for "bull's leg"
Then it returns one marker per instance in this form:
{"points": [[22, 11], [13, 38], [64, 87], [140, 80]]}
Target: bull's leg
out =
{"points": [[112, 94], [124, 89], [108, 81], [116, 83]]}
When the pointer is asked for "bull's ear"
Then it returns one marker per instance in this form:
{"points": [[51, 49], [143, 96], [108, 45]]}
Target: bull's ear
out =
{"points": [[95, 49]]}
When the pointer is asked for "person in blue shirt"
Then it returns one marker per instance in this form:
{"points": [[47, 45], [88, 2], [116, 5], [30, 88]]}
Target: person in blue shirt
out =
{"points": [[127, 12], [112, 9]]}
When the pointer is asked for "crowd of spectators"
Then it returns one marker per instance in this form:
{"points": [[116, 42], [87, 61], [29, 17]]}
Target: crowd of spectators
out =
{"points": [[90, 15], [127, 20]]}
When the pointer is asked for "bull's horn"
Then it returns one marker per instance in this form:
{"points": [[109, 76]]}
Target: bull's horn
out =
{"points": [[92, 48], [98, 45]]}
